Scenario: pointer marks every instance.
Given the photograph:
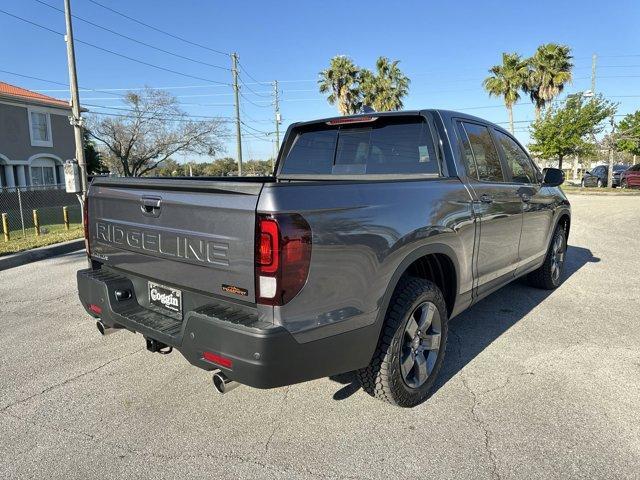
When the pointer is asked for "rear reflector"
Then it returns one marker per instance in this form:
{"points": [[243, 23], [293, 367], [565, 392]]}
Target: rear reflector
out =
{"points": [[97, 309], [218, 359], [342, 121]]}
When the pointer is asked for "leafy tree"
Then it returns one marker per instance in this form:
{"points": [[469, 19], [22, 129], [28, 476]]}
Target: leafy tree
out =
{"points": [[340, 81], [567, 129], [549, 71], [91, 155], [155, 129], [221, 167], [258, 168], [384, 90], [629, 134], [507, 80], [350, 87]]}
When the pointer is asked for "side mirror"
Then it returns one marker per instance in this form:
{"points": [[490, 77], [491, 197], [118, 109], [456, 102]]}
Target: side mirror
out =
{"points": [[588, 172], [552, 177]]}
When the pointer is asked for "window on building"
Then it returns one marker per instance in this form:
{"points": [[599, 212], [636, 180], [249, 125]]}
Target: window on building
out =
{"points": [[42, 176], [40, 128]]}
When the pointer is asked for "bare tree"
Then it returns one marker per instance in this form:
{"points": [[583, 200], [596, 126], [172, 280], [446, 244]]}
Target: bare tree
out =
{"points": [[153, 129]]}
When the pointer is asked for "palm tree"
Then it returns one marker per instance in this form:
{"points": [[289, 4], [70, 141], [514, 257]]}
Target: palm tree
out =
{"points": [[549, 71], [340, 80], [384, 90], [507, 80]]}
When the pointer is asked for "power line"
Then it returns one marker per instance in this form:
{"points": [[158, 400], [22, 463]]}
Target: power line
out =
{"points": [[113, 52], [255, 129], [53, 82], [252, 90], [140, 42], [255, 103], [164, 115], [195, 44], [262, 139], [258, 82]]}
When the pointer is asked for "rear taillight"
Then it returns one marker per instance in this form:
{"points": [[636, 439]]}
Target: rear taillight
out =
{"points": [[85, 224], [283, 253]]}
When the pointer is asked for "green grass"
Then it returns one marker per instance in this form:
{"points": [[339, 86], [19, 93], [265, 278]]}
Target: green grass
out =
{"points": [[599, 191], [55, 234]]}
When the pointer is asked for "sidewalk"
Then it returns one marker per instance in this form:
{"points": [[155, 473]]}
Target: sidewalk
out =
{"points": [[28, 256]]}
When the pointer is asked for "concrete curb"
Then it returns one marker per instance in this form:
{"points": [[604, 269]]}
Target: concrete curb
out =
{"points": [[41, 253]]}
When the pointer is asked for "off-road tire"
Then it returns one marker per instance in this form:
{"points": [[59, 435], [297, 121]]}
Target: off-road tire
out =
{"points": [[383, 378], [543, 277]]}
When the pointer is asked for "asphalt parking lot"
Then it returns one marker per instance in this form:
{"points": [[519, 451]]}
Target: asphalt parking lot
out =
{"points": [[536, 385]]}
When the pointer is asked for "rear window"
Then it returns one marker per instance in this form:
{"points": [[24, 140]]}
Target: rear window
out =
{"points": [[388, 145]]}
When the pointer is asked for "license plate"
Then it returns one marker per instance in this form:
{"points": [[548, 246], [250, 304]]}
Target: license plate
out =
{"points": [[165, 297]]}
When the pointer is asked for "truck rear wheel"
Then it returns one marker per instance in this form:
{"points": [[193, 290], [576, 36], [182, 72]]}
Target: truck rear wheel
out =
{"points": [[411, 348]]}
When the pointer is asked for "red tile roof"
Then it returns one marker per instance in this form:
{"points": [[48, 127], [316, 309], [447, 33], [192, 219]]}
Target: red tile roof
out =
{"points": [[11, 91]]}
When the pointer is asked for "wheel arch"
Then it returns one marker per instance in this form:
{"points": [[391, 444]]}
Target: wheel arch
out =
{"points": [[436, 262]]}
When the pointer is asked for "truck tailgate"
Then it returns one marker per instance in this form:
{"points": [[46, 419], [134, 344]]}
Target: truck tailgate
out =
{"points": [[192, 234]]}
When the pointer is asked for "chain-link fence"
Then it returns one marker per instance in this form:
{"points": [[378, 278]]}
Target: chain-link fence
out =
{"points": [[38, 210]]}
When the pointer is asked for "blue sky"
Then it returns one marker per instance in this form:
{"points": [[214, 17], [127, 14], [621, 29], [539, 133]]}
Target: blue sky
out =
{"points": [[444, 47]]}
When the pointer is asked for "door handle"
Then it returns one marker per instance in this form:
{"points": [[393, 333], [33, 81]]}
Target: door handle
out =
{"points": [[525, 197], [150, 206], [484, 198]]}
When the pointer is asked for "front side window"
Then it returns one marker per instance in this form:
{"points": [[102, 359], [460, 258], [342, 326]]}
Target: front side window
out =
{"points": [[488, 166], [386, 146], [517, 160], [40, 128]]}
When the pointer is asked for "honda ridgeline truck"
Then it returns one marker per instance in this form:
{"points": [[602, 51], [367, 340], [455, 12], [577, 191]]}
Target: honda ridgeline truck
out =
{"points": [[374, 231]]}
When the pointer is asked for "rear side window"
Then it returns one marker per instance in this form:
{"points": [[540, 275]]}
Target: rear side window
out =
{"points": [[487, 162], [517, 160], [467, 154], [386, 146]]}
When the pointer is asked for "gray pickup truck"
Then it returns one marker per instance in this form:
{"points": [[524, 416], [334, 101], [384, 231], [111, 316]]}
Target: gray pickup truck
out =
{"points": [[374, 231]]}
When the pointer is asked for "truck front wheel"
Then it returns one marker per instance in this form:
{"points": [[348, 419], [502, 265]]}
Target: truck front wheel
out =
{"points": [[549, 275], [411, 348]]}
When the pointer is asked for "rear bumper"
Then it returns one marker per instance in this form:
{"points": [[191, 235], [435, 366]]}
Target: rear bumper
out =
{"points": [[263, 355]]}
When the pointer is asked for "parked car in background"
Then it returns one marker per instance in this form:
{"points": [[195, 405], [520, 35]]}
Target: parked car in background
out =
{"points": [[599, 175], [630, 177]]}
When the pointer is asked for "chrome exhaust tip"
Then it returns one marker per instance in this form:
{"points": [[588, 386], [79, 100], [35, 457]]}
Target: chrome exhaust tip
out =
{"points": [[222, 383], [104, 330]]}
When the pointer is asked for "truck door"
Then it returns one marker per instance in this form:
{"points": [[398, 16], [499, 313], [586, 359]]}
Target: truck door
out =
{"points": [[538, 202], [497, 205]]}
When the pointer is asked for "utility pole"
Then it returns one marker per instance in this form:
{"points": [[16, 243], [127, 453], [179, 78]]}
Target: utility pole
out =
{"points": [[611, 145], [236, 91], [276, 104], [76, 118], [594, 58], [593, 74]]}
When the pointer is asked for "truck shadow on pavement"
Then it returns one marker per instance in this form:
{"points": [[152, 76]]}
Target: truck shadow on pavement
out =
{"points": [[475, 329]]}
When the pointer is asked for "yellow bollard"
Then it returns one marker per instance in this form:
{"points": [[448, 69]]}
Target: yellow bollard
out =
{"points": [[5, 227], [36, 222], [65, 217]]}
